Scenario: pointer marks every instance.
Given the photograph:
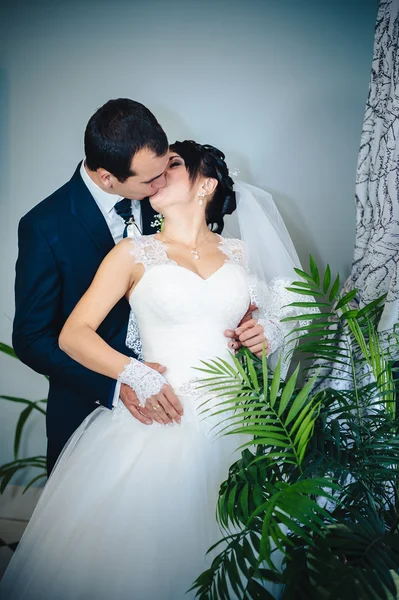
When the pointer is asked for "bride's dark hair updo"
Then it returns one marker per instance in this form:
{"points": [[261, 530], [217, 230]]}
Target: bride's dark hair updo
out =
{"points": [[208, 161]]}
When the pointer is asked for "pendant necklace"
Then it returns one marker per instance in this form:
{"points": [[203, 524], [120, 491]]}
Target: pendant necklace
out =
{"points": [[194, 250]]}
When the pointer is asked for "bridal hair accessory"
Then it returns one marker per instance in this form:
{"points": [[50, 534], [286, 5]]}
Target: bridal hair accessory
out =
{"points": [[146, 382]]}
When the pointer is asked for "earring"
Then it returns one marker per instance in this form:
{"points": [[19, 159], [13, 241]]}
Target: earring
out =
{"points": [[201, 196]]}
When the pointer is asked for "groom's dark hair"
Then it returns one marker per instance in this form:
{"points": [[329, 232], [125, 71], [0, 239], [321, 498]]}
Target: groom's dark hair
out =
{"points": [[117, 131]]}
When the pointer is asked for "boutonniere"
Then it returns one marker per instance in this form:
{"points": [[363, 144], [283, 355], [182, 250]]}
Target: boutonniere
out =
{"points": [[159, 222]]}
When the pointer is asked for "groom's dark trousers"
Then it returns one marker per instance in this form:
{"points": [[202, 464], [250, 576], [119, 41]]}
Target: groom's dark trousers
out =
{"points": [[62, 242]]}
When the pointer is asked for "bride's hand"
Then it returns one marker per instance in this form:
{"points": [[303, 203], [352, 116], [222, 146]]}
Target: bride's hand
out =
{"points": [[164, 407]]}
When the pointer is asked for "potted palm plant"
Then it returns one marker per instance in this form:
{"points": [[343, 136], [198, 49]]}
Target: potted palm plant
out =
{"points": [[312, 503]]}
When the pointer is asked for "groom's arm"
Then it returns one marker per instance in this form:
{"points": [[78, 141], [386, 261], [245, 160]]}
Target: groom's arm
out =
{"points": [[38, 319]]}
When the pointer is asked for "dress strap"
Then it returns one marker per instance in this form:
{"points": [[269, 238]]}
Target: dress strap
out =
{"points": [[149, 251], [234, 250]]}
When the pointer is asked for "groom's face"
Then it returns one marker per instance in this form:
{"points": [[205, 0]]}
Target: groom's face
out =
{"points": [[148, 176]]}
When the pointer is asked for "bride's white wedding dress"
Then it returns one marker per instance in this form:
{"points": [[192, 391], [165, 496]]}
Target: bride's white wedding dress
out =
{"points": [[129, 511]]}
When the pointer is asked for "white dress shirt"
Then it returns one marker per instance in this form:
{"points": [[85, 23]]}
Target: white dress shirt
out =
{"points": [[106, 203]]}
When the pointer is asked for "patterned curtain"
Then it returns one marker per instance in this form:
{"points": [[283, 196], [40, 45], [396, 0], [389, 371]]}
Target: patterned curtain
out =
{"points": [[376, 260]]}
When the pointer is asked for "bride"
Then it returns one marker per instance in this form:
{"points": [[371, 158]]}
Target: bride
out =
{"points": [[129, 511]]}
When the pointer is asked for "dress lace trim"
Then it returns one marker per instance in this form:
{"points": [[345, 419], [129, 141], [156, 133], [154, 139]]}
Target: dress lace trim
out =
{"points": [[133, 338], [234, 250], [150, 252]]}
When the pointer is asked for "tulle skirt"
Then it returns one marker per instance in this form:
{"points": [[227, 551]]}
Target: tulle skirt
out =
{"points": [[128, 513]]}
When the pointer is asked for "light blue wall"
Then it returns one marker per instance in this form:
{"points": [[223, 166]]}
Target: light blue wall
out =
{"points": [[279, 85]]}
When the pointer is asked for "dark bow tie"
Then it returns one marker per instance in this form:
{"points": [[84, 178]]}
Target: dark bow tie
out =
{"points": [[124, 209]]}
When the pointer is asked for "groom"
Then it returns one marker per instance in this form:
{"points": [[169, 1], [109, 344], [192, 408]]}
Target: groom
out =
{"points": [[62, 242]]}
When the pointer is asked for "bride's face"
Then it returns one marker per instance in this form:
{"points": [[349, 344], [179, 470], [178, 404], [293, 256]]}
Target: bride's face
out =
{"points": [[179, 189]]}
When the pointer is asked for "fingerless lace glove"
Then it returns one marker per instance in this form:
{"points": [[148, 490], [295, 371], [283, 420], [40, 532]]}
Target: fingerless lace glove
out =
{"points": [[146, 382]]}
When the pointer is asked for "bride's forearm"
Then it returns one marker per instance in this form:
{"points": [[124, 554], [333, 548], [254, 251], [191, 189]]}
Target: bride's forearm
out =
{"points": [[85, 346], [79, 338]]}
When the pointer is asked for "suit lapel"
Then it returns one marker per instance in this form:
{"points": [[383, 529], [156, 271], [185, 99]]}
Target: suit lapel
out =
{"points": [[85, 208], [147, 217]]}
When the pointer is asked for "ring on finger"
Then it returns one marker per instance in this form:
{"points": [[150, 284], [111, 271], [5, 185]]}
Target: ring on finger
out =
{"points": [[155, 407]]}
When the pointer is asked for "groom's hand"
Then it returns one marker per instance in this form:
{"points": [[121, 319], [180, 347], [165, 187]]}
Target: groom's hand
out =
{"points": [[252, 336], [130, 400], [235, 343]]}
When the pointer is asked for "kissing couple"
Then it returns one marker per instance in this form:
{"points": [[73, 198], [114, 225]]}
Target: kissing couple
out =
{"points": [[120, 313]]}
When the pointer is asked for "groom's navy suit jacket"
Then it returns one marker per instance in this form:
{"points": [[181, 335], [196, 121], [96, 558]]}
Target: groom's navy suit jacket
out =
{"points": [[62, 242]]}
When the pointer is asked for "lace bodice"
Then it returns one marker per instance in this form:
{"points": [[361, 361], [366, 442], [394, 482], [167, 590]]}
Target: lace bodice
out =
{"points": [[151, 252], [192, 310], [178, 318]]}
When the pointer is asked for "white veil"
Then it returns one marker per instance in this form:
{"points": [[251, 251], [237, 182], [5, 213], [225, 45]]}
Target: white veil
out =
{"points": [[270, 249], [271, 258]]}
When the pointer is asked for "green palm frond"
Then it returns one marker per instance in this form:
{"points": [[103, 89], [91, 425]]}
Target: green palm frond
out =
{"points": [[244, 490], [281, 419], [293, 508], [340, 330], [359, 557], [8, 470], [31, 406], [6, 349], [248, 559], [237, 570]]}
